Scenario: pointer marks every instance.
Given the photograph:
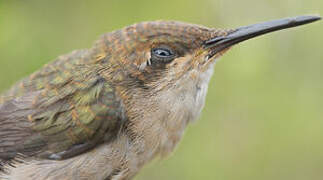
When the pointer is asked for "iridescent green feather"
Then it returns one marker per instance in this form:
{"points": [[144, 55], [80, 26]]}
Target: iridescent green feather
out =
{"points": [[72, 105]]}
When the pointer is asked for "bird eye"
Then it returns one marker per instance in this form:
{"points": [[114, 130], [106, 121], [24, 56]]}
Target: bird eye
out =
{"points": [[162, 52], [162, 55]]}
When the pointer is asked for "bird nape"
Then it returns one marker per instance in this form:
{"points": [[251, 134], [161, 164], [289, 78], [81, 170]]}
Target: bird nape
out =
{"points": [[104, 112]]}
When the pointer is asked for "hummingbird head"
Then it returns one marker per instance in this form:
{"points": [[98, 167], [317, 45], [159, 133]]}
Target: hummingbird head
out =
{"points": [[161, 71], [157, 55], [163, 54]]}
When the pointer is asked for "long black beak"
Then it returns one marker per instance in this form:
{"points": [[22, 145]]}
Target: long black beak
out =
{"points": [[247, 32]]}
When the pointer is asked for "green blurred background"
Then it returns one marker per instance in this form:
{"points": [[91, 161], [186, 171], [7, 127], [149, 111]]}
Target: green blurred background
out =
{"points": [[263, 117]]}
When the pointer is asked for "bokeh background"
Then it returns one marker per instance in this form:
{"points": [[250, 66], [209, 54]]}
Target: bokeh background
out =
{"points": [[263, 117]]}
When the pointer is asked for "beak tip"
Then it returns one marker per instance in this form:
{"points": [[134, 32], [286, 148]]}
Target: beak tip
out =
{"points": [[317, 18], [308, 19]]}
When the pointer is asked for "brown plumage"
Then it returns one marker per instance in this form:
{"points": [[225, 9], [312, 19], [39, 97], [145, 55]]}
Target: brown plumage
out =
{"points": [[103, 112]]}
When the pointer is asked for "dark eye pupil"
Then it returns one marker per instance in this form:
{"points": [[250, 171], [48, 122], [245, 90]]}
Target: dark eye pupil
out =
{"points": [[161, 55], [162, 52]]}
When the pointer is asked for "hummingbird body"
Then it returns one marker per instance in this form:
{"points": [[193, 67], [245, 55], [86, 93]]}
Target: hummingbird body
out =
{"points": [[104, 112]]}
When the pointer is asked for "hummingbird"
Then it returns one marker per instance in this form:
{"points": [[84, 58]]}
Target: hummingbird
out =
{"points": [[102, 113]]}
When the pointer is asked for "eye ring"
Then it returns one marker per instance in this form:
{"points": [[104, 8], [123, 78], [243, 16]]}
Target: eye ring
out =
{"points": [[162, 54]]}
